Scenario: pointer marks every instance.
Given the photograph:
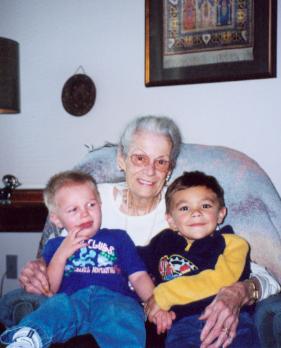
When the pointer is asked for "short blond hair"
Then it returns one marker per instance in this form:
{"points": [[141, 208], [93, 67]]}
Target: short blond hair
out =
{"points": [[62, 179]]}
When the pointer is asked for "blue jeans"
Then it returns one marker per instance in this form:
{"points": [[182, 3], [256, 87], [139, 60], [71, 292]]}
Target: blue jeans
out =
{"points": [[268, 321], [16, 304], [113, 319], [186, 333]]}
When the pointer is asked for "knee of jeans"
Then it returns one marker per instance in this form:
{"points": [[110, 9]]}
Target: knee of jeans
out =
{"points": [[277, 326], [57, 303], [263, 312]]}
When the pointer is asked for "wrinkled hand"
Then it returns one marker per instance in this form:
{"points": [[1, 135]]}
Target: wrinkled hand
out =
{"points": [[33, 278], [222, 316]]}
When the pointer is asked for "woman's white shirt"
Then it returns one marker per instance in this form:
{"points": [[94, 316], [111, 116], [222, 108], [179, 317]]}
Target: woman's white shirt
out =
{"points": [[140, 228]]}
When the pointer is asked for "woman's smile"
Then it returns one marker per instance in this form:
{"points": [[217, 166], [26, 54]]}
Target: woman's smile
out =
{"points": [[146, 182]]}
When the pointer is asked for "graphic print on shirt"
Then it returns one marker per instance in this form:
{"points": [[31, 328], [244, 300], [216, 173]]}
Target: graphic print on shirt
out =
{"points": [[175, 266], [94, 258]]}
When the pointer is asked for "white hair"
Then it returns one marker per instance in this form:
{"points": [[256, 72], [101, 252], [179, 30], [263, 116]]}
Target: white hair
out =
{"points": [[155, 124]]}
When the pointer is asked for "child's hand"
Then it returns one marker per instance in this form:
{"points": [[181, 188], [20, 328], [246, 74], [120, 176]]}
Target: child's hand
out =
{"points": [[71, 243], [164, 320], [151, 308]]}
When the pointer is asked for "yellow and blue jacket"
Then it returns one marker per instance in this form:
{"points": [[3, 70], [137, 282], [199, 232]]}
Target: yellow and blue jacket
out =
{"points": [[188, 276]]}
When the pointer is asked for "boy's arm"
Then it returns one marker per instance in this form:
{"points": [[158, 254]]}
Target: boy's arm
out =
{"points": [[55, 269], [143, 285], [187, 289]]}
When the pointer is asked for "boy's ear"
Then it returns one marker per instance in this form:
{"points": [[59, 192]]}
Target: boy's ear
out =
{"points": [[222, 214], [55, 220], [121, 160], [171, 222]]}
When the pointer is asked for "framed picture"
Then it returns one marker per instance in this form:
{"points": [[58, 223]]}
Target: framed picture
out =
{"points": [[196, 41]]}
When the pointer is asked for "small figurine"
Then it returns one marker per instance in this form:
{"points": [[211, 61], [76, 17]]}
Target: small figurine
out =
{"points": [[10, 182]]}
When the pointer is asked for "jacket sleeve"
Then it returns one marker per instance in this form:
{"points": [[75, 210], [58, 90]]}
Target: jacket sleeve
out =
{"points": [[187, 289]]}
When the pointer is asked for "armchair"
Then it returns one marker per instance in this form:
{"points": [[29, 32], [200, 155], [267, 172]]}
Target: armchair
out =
{"points": [[254, 205]]}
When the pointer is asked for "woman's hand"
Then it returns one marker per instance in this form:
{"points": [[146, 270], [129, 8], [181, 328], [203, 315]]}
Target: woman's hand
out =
{"points": [[33, 278], [222, 316]]}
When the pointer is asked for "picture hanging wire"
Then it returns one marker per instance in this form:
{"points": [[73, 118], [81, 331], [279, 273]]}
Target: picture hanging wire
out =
{"points": [[80, 70]]}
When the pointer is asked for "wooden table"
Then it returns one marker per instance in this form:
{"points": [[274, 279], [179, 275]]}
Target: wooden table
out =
{"points": [[26, 213]]}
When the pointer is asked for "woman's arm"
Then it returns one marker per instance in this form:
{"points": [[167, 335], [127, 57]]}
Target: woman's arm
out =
{"points": [[225, 308]]}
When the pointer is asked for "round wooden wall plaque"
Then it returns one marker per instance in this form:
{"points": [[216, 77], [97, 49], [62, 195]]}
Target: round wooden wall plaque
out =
{"points": [[78, 94]]}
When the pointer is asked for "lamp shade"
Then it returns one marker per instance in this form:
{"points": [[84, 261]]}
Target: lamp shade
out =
{"points": [[9, 77]]}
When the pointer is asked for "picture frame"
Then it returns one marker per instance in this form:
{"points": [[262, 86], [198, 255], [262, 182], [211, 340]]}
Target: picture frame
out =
{"points": [[160, 32]]}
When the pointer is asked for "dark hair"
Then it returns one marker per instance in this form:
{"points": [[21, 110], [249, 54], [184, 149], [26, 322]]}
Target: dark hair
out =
{"points": [[62, 179], [193, 179]]}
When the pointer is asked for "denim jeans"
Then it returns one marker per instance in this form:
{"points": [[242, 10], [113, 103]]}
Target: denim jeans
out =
{"points": [[16, 304], [113, 319], [186, 333], [268, 321]]}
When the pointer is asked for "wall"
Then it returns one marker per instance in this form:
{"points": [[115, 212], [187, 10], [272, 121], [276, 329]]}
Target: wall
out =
{"points": [[107, 39], [22, 244]]}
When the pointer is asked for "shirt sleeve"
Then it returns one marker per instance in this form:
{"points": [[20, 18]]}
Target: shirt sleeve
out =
{"points": [[129, 258], [269, 286], [50, 248], [188, 289]]}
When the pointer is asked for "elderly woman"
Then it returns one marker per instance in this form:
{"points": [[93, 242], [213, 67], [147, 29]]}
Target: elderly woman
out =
{"points": [[148, 150]]}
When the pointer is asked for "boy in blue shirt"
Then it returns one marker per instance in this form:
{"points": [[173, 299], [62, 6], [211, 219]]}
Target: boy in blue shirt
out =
{"points": [[89, 269]]}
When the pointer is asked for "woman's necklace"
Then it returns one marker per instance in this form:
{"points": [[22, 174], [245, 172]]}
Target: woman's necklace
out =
{"points": [[133, 211], [131, 207]]}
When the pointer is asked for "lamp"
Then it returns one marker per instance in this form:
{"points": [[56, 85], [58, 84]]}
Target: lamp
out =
{"points": [[9, 77]]}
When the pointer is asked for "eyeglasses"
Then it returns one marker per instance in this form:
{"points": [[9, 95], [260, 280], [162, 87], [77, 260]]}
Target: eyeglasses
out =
{"points": [[143, 161]]}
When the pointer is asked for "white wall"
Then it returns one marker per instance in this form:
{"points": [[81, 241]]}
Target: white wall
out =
{"points": [[107, 38], [22, 244]]}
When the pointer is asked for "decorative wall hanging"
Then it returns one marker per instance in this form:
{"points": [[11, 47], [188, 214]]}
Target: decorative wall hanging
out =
{"points": [[78, 94], [195, 41]]}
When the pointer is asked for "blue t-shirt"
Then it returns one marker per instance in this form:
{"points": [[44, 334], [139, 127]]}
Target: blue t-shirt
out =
{"points": [[108, 259]]}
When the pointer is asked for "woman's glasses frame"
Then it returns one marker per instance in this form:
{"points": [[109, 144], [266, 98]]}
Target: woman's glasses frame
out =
{"points": [[142, 160]]}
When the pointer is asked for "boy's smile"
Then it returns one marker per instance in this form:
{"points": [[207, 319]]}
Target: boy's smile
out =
{"points": [[195, 212]]}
